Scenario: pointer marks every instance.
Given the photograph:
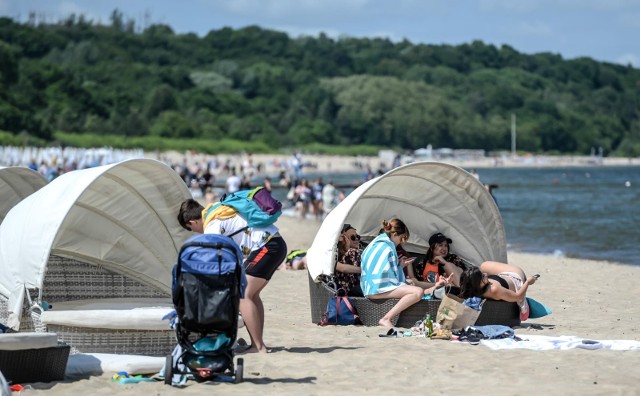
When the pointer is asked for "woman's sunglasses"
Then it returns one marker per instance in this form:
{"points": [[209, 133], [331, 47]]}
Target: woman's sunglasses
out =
{"points": [[354, 237]]}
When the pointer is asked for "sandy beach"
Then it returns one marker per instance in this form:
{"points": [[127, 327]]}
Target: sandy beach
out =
{"points": [[589, 299]]}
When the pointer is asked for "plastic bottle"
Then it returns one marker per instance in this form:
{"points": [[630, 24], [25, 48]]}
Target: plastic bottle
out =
{"points": [[428, 326]]}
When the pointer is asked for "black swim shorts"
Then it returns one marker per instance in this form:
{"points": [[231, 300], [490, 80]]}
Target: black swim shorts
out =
{"points": [[262, 263]]}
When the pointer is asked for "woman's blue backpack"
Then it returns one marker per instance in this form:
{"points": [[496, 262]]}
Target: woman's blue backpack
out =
{"points": [[340, 311]]}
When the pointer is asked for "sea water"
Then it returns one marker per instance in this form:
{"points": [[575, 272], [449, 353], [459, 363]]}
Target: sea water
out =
{"points": [[582, 212]]}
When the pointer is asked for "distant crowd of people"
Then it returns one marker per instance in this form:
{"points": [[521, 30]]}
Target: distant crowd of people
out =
{"points": [[52, 162]]}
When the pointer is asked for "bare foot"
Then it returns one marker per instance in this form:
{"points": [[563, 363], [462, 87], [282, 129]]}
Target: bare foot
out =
{"points": [[253, 349], [385, 322]]}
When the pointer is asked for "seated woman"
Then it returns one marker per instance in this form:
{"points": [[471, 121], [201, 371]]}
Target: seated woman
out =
{"points": [[347, 271], [382, 275], [498, 281], [439, 264]]}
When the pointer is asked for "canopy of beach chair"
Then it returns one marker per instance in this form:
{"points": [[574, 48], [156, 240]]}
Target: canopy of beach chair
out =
{"points": [[16, 183], [121, 217], [429, 197]]}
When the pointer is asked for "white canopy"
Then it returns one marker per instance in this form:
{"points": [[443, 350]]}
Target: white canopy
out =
{"points": [[428, 197], [16, 183], [120, 216]]}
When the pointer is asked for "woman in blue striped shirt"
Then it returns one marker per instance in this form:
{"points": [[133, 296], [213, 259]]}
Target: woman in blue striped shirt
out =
{"points": [[382, 276]]}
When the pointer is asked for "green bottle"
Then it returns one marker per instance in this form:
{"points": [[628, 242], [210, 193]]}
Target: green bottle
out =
{"points": [[428, 326]]}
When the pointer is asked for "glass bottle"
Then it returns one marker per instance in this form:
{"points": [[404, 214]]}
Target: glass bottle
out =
{"points": [[428, 326]]}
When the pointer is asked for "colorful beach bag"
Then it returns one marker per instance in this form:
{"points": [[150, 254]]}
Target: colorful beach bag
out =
{"points": [[341, 312]]}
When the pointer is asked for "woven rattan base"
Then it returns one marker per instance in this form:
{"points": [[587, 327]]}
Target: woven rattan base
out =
{"points": [[128, 342], [35, 365], [370, 311]]}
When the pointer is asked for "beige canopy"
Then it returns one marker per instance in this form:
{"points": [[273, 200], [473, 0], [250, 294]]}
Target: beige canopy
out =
{"points": [[16, 183], [429, 197]]}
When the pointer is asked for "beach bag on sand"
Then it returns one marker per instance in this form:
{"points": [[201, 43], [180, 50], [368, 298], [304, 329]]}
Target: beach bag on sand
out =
{"points": [[340, 311], [453, 314]]}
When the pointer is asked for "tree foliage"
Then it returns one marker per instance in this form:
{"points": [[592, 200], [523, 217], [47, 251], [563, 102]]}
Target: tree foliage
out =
{"points": [[261, 87]]}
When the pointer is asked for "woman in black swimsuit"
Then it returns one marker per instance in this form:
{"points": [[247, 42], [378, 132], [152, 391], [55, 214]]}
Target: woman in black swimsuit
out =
{"points": [[498, 281]]}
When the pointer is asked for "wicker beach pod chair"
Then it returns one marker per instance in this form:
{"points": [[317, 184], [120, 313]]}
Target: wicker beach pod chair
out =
{"points": [[429, 197], [89, 257]]}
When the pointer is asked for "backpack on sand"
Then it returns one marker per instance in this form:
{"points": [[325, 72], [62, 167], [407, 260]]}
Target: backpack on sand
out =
{"points": [[340, 311]]}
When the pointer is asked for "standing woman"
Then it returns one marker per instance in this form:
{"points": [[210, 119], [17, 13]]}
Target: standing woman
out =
{"points": [[382, 275]]}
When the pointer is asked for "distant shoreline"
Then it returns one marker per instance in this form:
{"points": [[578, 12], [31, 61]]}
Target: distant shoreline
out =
{"points": [[274, 163]]}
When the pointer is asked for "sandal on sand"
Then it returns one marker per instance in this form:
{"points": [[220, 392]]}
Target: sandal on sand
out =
{"points": [[241, 345], [393, 332]]}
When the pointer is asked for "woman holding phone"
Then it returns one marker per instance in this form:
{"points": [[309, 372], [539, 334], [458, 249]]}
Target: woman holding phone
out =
{"points": [[498, 281], [381, 270]]}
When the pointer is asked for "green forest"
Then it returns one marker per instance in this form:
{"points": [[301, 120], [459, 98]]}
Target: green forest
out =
{"points": [[78, 83]]}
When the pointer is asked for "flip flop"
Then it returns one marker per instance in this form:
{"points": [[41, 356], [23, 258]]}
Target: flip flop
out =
{"points": [[241, 345], [393, 332]]}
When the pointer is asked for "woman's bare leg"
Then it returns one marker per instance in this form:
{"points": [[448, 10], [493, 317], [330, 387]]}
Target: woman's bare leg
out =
{"points": [[252, 312], [408, 296]]}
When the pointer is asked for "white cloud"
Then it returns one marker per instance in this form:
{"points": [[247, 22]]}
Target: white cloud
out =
{"points": [[626, 59]]}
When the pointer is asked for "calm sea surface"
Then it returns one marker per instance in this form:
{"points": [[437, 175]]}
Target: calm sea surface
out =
{"points": [[591, 212]]}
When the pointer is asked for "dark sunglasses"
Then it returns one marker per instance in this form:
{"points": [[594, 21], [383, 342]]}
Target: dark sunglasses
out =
{"points": [[354, 237]]}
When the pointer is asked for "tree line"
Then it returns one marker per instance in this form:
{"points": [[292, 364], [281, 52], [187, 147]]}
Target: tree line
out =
{"points": [[78, 82]]}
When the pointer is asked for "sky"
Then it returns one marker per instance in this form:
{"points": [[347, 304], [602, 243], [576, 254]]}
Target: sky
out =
{"points": [[605, 30]]}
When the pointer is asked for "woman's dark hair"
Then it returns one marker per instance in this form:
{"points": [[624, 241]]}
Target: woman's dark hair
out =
{"points": [[342, 248], [471, 283]]}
